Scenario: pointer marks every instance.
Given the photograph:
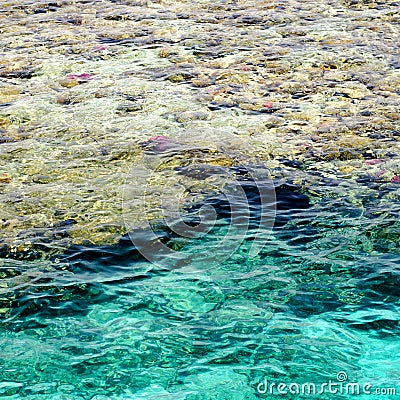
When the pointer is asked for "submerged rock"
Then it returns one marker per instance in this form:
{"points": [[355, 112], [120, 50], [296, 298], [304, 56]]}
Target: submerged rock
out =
{"points": [[5, 178], [129, 107], [268, 87]]}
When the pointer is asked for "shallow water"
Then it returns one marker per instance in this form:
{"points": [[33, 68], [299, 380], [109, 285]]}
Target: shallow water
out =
{"points": [[114, 112], [109, 324]]}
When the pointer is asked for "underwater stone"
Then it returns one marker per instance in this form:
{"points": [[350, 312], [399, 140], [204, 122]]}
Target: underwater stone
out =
{"points": [[201, 82], [128, 107], [163, 53], [180, 77], [68, 83], [5, 178]]}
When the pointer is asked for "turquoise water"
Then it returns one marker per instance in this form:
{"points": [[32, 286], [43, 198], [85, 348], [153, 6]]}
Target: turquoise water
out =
{"points": [[166, 100], [320, 299]]}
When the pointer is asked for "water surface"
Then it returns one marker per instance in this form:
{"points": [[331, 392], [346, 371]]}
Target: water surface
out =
{"points": [[112, 112]]}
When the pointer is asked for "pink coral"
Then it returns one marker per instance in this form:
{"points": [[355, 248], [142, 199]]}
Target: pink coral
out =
{"points": [[100, 47], [80, 77], [160, 139], [160, 143], [268, 104], [395, 179], [374, 161]]}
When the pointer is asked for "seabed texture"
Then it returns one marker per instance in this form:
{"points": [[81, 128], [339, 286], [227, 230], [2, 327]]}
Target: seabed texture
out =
{"points": [[112, 112]]}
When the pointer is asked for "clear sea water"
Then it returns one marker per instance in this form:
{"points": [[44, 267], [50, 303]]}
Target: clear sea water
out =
{"points": [[320, 299], [88, 88]]}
